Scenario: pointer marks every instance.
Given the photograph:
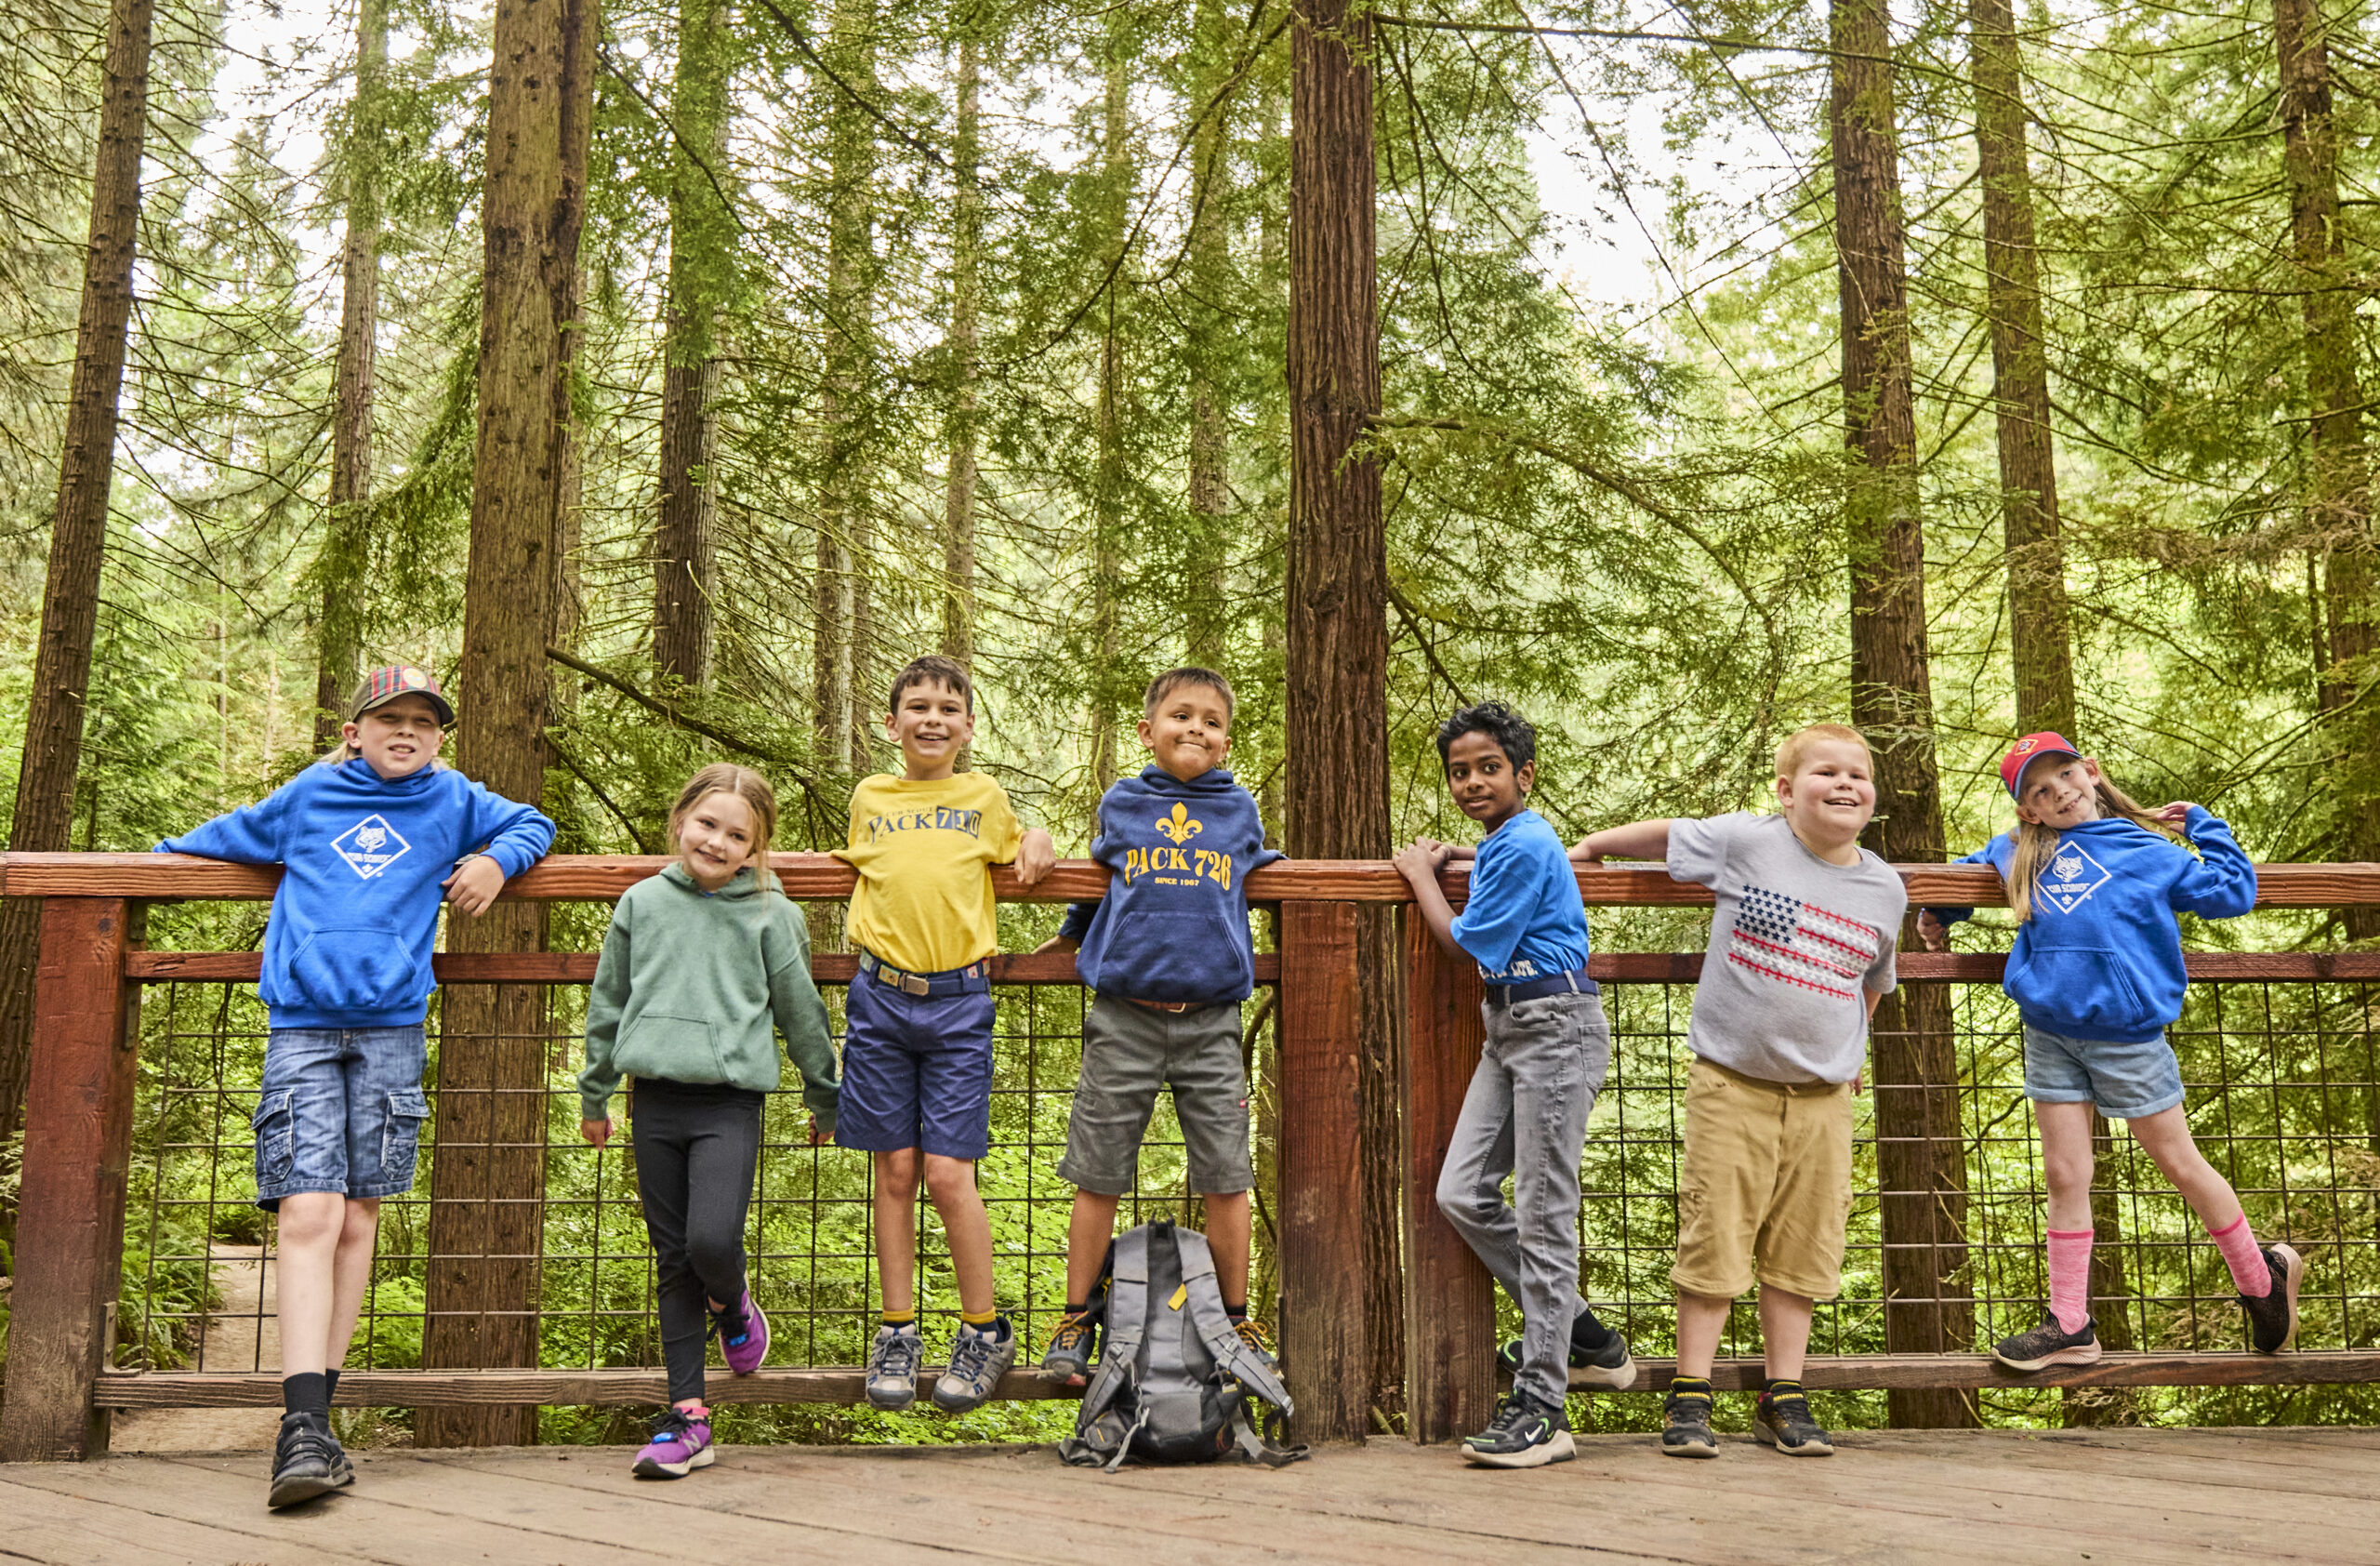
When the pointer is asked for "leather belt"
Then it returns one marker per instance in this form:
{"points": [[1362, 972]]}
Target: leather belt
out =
{"points": [[1575, 982], [974, 979]]}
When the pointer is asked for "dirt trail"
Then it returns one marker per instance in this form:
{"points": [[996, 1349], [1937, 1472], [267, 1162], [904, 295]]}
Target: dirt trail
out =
{"points": [[242, 1334]]}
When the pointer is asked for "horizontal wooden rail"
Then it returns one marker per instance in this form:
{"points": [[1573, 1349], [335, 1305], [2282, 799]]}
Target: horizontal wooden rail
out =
{"points": [[1872, 1373], [552, 1388], [1058, 967], [820, 877]]}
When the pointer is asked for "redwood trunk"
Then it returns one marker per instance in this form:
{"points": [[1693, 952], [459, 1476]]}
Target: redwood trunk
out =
{"points": [[2338, 499], [70, 605], [1210, 340], [1107, 501], [487, 1177], [701, 254], [842, 701], [966, 304], [1336, 725], [340, 641], [1920, 1153]]}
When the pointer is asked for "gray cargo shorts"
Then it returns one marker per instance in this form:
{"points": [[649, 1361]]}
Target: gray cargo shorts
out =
{"points": [[1129, 1053]]}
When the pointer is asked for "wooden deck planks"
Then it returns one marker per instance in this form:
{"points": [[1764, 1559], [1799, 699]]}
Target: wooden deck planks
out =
{"points": [[1946, 1497]]}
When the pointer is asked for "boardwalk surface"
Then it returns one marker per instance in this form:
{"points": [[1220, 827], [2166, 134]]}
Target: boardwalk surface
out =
{"points": [[2000, 1496]]}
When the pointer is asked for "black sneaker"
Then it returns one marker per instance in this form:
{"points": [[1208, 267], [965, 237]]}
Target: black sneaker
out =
{"points": [[1071, 1347], [2048, 1344], [1608, 1367], [1688, 1430], [1784, 1423], [302, 1461], [2272, 1320], [1521, 1436]]}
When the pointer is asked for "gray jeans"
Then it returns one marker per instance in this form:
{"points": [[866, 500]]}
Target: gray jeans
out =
{"points": [[1526, 1116]]}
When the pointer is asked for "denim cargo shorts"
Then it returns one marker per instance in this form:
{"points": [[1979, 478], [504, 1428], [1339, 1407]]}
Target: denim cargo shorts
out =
{"points": [[340, 1110], [1130, 1052]]}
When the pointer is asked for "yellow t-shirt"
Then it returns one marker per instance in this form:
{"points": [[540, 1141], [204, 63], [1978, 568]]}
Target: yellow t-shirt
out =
{"points": [[924, 852]]}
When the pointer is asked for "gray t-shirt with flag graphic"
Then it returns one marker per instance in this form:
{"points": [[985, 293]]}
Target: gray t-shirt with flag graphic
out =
{"points": [[1793, 941]]}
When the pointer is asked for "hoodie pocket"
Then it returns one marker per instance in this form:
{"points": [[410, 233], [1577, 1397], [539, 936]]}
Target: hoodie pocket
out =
{"points": [[684, 1048], [365, 970], [2087, 986], [1177, 954]]}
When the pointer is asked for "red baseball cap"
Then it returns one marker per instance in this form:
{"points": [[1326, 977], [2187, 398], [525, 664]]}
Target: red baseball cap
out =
{"points": [[384, 685], [2028, 750]]}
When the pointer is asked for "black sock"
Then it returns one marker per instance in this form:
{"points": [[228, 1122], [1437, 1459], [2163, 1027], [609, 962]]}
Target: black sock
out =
{"points": [[307, 1392], [1588, 1334], [1690, 1386], [1076, 1307], [1781, 1389], [330, 1386], [1237, 1312]]}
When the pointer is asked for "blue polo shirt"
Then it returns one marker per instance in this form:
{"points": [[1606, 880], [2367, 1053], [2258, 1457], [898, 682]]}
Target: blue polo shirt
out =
{"points": [[1523, 920]]}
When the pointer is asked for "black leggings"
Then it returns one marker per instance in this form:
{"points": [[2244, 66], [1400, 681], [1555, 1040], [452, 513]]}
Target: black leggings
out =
{"points": [[696, 1148]]}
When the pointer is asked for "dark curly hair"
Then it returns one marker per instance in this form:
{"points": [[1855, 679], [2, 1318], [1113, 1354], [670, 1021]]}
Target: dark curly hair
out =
{"points": [[1499, 723]]}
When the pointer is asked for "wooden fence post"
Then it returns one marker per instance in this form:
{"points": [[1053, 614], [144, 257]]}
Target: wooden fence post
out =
{"points": [[70, 1212], [1324, 1351], [1449, 1299]]}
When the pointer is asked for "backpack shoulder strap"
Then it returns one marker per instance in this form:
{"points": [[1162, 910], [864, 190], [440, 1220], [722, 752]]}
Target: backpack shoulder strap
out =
{"points": [[1128, 1298], [1215, 1329]]}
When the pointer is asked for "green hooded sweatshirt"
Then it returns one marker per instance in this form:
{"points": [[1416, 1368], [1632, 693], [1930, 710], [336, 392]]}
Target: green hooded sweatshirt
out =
{"points": [[688, 985]]}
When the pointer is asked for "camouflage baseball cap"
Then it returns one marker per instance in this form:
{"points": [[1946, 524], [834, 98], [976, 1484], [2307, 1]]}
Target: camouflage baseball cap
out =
{"points": [[384, 685]]}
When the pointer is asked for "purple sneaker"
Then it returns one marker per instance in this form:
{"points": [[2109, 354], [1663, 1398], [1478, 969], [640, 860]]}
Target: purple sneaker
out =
{"points": [[680, 1443], [748, 1348]]}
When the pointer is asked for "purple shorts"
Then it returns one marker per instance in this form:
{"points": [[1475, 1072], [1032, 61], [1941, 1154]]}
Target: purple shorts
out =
{"points": [[916, 1072]]}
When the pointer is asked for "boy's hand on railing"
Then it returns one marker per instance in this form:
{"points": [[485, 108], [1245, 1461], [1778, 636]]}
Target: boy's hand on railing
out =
{"points": [[474, 884], [1058, 943], [1421, 859], [1932, 931], [821, 1131], [1582, 853], [596, 1132], [1035, 858]]}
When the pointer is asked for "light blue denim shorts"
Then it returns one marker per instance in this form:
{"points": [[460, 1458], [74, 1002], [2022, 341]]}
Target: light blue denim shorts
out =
{"points": [[2126, 1080], [340, 1110]]}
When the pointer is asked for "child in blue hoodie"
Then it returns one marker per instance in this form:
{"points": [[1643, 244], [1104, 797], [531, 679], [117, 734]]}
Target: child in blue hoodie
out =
{"points": [[1168, 954], [2098, 977], [370, 841]]}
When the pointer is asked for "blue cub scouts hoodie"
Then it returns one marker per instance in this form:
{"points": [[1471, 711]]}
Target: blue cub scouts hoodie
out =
{"points": [[2101, 957], [352, 924], [1174, 927]]}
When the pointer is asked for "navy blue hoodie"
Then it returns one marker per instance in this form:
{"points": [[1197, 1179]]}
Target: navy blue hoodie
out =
{"points": [[2101, 957], [1173, 926], [347, 945]]}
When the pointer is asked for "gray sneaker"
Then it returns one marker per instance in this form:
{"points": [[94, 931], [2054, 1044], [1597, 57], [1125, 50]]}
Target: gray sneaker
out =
{"points": [[977, 1362], [893, 1367]]}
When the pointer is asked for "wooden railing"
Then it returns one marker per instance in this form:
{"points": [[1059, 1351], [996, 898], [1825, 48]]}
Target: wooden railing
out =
{"points": [[79, 1123]]}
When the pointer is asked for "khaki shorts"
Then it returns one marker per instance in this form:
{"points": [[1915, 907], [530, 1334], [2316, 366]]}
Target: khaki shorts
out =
{"points": [[1766, 1180]]}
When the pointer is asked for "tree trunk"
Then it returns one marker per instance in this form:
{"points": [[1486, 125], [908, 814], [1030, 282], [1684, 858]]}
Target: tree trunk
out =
{"points": [[840, 603], [1107, 501], [69, 606], [1336, 725], [966, 306], [1920, 1155], [702, 241], [487, 1177], [2338, 503], [1209, 341], [339, 640]]}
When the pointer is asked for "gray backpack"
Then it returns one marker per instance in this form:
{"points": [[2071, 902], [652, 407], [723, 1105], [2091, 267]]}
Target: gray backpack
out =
{"points": [[1175, 1378]]}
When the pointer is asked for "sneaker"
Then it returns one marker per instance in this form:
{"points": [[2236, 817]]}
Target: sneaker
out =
{"points": [[2048, 1344], [1688, 1430], [2272, 1320], [301, 1461], [680, 1443], [1070, 1349], [1521, 1435], [1608, 1367], [750, 1346], [1784, 1423], [1254, 1334], [343, 1471], [893, 1367], [978, 1360]]}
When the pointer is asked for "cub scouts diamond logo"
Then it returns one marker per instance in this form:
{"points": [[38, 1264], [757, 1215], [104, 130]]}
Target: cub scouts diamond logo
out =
{"points": [[2069, 878], [370, 846]]}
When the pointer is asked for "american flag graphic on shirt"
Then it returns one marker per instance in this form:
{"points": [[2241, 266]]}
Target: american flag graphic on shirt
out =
{"points": [[1801, 944]]}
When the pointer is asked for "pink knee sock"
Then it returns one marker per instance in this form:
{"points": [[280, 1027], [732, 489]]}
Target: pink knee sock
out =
{"points": [[2069, 1277], [2250, 1274]]}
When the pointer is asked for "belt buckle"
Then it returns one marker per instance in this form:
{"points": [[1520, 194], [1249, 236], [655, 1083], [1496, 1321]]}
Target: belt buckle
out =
{"points": [[911, 984]]}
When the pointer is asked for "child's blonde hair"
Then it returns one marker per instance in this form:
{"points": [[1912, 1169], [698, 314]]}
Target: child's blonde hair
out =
{"points": [[726, 777], [1798, 745], [2036, 842]]}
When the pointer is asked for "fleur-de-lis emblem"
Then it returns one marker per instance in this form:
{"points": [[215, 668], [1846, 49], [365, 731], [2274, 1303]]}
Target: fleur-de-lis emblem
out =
{"points": [[1178, 827]]}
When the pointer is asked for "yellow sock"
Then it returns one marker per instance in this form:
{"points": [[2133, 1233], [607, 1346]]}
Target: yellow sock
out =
{"points": [[899, 1318], [979, 1319]]}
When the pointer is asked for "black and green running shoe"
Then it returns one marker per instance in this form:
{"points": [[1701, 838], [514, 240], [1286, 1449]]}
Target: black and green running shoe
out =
{"points": [[1521, 1436]]}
